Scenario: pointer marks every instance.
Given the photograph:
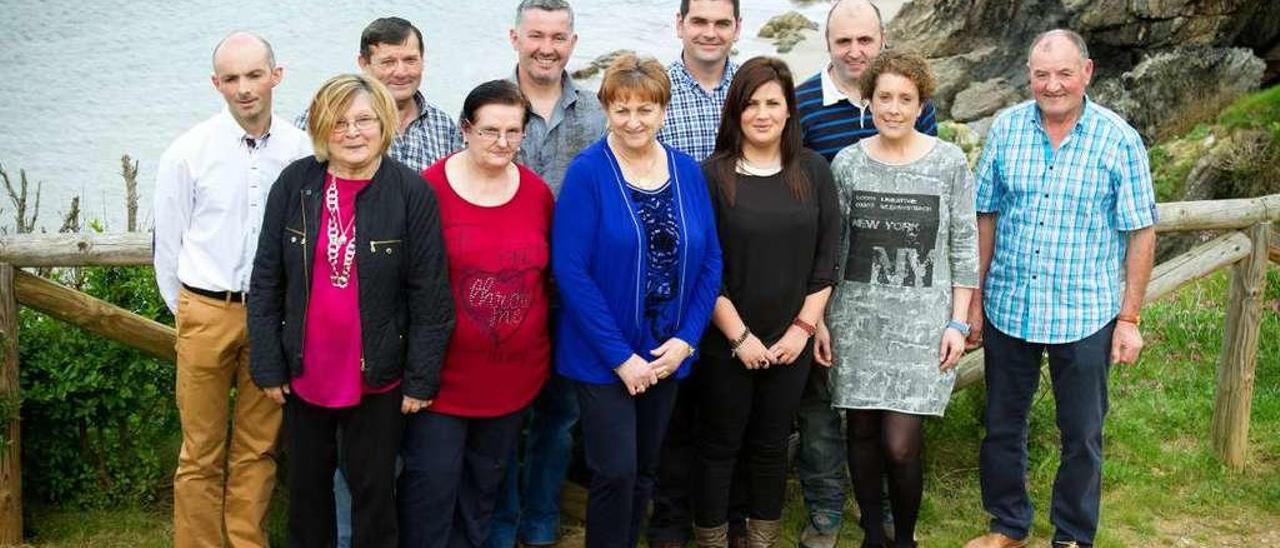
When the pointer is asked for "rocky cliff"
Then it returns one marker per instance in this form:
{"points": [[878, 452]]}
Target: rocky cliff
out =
{"points": [[1153, 58]]}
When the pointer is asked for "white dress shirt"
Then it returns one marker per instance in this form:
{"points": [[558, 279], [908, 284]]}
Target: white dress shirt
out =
{"points": [[211, 189]]}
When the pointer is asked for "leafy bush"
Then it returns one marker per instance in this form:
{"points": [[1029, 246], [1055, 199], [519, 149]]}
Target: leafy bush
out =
{"points": [[98, 418]]}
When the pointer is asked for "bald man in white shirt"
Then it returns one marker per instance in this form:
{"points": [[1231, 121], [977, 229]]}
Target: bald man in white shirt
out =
{"points": [[211, 186]]}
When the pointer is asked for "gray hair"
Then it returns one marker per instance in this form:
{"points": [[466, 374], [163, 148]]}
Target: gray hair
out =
{"points": [[271, 54], [544, 5], [1071, 36]]}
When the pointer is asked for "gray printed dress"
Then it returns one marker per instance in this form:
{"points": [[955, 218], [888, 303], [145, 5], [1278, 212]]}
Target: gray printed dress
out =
{"points": [[909, 235]]}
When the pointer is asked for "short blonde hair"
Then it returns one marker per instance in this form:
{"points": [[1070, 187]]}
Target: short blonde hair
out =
{"points": [[630, 76], [334, 98]]}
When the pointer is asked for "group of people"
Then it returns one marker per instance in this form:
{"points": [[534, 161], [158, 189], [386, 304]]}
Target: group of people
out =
{"points": [[689, 264]]}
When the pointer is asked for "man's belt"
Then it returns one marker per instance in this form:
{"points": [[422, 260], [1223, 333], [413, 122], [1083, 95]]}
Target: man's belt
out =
{"points": [[227, 296]]}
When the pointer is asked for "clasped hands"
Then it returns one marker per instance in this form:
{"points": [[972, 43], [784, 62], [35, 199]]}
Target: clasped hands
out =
{"points": [[638, 375], [754, 355], [408, 405]]}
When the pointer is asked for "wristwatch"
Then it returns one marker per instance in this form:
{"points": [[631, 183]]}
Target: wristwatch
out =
{"points": [[962, 327]]}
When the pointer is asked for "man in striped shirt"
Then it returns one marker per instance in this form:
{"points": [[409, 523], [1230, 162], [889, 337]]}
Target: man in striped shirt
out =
{"points": [[1067, 239], [833, 114]]}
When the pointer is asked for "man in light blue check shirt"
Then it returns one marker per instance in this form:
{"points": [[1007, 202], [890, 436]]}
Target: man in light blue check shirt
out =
{"points": [[1066, 223]]}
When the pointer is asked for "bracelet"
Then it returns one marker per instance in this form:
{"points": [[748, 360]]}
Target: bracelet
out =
{"points": [[1134, 319], [961, 327], [734, 344], [804, 326]]}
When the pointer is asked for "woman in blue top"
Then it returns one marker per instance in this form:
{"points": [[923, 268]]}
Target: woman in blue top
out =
{"points": [[635, 256]]}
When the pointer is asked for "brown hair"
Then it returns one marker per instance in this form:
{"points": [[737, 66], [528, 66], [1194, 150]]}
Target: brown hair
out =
{"points": [[907, 64], [632, 76], [334, 98], [754, 73]]}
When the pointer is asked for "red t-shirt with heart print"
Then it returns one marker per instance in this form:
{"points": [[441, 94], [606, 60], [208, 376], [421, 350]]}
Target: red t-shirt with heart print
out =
{"points": [[499, 355]]}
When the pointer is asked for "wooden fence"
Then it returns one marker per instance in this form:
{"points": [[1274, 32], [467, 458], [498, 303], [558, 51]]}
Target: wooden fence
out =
{"points": [[1244, 247]]}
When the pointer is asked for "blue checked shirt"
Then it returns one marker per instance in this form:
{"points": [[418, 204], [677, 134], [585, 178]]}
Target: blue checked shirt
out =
{"points": [[1062, 219], [429, 137], [693, 117]]}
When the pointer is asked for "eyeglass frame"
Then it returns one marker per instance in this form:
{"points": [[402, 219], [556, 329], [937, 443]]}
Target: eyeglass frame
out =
{"points": [[343, 126]]}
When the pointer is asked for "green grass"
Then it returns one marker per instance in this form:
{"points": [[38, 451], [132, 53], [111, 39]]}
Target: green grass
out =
{"points": [[1162, 483], [1260, 110]]}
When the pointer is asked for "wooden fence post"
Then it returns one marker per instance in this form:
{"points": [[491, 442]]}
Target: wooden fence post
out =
{"points": [[1234, 398], [10, 397]]}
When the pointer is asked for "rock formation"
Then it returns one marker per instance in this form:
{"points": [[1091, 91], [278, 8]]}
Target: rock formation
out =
{"points": [[787, 30], [1152, 57], [598, 65]]}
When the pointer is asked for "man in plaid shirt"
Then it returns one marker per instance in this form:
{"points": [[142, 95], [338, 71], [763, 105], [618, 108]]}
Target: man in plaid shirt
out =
{"points": [[699, 85], [1067, 239], [391, 51]]}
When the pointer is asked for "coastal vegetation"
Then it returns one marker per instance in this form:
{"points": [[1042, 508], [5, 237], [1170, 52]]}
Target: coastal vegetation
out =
{"points": [[100, 433]]}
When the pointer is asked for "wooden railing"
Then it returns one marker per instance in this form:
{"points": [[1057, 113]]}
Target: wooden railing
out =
{"points": [[1245, 248]]}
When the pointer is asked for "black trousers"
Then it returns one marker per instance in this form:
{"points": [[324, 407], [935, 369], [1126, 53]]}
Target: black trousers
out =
{"points": [[744, 419], [622, 437], [370, 440], [452, 469]]}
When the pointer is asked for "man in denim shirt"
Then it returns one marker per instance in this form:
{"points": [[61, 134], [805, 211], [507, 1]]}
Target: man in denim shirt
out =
{"points": [[565, 120]]}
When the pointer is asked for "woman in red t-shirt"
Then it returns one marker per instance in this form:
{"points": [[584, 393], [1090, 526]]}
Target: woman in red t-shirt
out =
{"points": [[496, 219]]}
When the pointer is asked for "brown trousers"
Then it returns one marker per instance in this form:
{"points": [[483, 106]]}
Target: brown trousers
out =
{"points": [[221, 490]]}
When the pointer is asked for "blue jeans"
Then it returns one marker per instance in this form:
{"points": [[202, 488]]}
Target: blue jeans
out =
{"points": [[547, 453], [342, 505], [452, 469], [1079, 373], [821, 460], [622, 439]]}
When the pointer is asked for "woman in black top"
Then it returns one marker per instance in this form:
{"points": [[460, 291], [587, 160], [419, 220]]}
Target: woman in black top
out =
{"points": [[776, 213]]}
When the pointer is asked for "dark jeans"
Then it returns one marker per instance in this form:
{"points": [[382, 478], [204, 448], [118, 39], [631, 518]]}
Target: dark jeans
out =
{"points": [[529, 505], [1079, 374], [452, 469], [672, 518], [370, 438], [821, 460], [744, 416], [622, 437]]}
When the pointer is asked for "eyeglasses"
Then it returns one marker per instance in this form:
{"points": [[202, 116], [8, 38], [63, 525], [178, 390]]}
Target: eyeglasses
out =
{"points": [[363, 123], [491, 135]]}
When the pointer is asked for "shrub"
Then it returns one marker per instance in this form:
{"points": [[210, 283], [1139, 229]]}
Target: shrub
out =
{"points": [[99, 422]]}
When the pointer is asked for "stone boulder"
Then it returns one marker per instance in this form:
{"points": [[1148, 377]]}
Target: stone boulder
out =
{"points": [[787, 30], [972, 41], [955, 73], [598, 65], [1172, 90], [983, 99]]}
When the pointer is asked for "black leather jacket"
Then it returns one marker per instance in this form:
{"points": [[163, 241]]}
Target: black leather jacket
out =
{"points": [[406, 310]]}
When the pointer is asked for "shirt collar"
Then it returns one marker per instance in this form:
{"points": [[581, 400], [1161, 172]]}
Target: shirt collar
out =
{"points": [[831, 93], [682, 73], [568, 88], [242, 137], [1086, 112], [420, 101]]}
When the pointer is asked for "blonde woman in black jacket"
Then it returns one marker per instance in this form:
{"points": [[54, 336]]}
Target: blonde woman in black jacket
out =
{"points": [[349, 310]]}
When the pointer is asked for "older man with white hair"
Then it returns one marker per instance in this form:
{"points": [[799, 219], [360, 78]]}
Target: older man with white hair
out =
{"points": [[1066, 230]]}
